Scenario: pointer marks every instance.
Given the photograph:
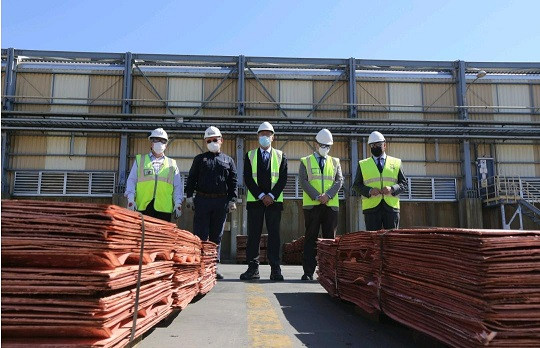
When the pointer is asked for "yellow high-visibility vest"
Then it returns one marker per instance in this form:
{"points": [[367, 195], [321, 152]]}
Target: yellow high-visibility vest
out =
{"points": [[373, 178], [157, 186], [275, 162], [322, 182]]}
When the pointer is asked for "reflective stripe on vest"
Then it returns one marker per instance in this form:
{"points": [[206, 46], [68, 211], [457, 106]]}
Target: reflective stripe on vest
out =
{"points": [[275, 162], [321, 182], [373, 178], [158, 186]]}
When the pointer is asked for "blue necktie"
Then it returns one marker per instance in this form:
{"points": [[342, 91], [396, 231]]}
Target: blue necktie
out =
{"points": [[322, 162], [265, 157], [379, 165]]}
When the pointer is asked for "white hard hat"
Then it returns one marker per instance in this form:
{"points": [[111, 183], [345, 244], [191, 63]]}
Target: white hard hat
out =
{"points": [[324, 137], [159, 133], [265, 126], [212, 132], [375, 137]]}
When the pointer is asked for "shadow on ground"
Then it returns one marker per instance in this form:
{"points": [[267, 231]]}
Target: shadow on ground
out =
{"points": [[322, 321]]}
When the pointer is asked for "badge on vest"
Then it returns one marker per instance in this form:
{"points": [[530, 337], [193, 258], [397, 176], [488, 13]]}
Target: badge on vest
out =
{"points": [[148, 172]]}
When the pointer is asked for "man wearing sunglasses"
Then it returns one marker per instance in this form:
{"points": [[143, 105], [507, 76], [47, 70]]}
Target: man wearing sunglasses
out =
{"points": [[321, 179], [380, 180], [154, 186], [213, 176]]}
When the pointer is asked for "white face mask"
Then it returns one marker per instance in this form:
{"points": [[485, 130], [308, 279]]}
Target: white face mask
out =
{"points": [[213, 147], [159, 148], [324, 151]]}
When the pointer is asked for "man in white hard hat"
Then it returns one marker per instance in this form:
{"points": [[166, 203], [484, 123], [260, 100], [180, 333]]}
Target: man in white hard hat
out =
{"points": [[265, 174], [154, 186], [321, 179], [380, 180], [213, 177]]}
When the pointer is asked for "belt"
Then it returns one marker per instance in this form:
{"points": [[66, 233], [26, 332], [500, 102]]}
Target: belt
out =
{"points": [[211, 195]]}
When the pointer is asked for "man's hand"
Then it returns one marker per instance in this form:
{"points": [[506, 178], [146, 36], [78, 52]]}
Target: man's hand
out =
{"points": [[267, 200], [131, 205], [189, 203], [324, 198], [178, 210], [231, 207], [387, 190], [374, 192]]}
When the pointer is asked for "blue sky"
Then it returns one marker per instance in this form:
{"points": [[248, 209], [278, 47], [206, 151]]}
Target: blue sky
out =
{"points": [[470, 30]]}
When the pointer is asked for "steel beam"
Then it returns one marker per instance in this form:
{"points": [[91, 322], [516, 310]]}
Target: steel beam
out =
{"points": [[5, 145], [10, 80], [127, 95], [241, 94], [352, 99], [461, 94], [354, 158]]}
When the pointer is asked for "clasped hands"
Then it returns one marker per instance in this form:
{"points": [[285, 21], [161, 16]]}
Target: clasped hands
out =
{"points": [[387, 190]]}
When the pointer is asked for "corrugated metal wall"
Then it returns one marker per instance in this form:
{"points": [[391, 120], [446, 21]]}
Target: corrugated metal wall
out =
{"points": [[335, 97], [61, 146], [515, 160], [103, 153], [413, 156], [484, 96], [298, 92], [106, 94], [70, 86], [146, 101], [439, 99], [26, 145], [258, 103], [375, 97], [221, 101], [33, 85]]}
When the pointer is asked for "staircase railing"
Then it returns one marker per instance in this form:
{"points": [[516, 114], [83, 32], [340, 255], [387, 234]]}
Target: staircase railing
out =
{"points": [[504, 189]]}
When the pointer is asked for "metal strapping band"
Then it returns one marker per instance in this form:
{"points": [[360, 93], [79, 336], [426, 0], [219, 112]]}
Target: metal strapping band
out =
{"points": [[136, 307]]}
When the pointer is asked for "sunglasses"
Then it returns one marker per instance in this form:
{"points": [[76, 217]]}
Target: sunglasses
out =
{"points": [[158, 140], [212, 140], [324, 146], [376, 145]]}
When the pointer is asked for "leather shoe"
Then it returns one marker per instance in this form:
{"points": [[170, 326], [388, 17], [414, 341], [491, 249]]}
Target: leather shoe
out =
{"points": [[276, 275], [307, 277], [251, 273], [219, 275]]}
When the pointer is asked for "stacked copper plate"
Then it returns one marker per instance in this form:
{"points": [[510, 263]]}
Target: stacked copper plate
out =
{"points": [[468, 288], [294, 251], [241, 246], [208, 267], [187, 268], [69, 273], [326, 259]]}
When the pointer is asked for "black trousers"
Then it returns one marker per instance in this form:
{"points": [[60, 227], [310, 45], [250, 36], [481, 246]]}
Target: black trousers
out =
{"points": [[255, 218], [209, 219], [317, 218], [150, 211], [381, 219]]}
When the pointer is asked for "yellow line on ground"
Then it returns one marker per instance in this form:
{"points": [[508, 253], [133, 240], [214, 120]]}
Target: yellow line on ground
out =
{"points": [[264, 327]]}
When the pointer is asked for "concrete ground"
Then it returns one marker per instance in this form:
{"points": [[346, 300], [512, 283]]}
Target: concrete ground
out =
{"points": [[263, 313]]}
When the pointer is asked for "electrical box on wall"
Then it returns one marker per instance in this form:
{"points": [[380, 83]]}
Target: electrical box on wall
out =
{"points": [[486, 176]]}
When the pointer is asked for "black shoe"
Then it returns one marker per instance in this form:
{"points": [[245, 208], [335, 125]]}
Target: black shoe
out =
{"points": [[307, 277], [219, 275], [275, 275], [251, 273]]}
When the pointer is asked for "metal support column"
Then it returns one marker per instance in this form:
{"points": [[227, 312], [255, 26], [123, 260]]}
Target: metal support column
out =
{"points": [[353, 108], [354, 158], [126, 109], [5, 145], [241, 97], [9, 91], [461, 89]]}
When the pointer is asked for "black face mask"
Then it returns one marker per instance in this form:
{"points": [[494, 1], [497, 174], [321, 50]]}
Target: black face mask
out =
{"points": [[376, 151]]}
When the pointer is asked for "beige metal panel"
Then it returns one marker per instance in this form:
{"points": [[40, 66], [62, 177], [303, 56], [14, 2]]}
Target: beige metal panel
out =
{"points": [[255, 112], [149, 110], [295, 113], [405, 94], [298, 92], [428, 116], [413, 156], [514, 95], [374, 115], [70, 86], [537, 158], [33, 85], [483, 95], [439, 97], [405, 116], [144, 91], [536, 97], [447, 152], [223, 99], [330, 114], [257, 100], [102, 146], [28, 145], [336, 97], [186, 111], [106, 89], [188, 92], [60, 145], [372, 94], [515, 153]]}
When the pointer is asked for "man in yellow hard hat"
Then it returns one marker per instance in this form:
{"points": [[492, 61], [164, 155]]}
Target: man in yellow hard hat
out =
{"points": [[321, 179], [380, 180], [212, 178], [154, 186], [265, 174]]}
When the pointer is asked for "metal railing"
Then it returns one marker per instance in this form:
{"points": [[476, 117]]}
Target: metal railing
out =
{"points": [[505, 189]]}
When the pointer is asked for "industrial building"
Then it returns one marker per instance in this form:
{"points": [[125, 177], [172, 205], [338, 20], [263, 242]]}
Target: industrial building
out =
{"points": [[468, 133]]}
